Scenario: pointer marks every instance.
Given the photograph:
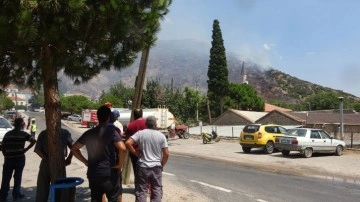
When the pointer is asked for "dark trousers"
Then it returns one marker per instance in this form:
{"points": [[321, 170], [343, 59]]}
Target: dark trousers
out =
{"points": [[102, 185], [134, 160], [12, 165], [146, 176], [43, 182]]}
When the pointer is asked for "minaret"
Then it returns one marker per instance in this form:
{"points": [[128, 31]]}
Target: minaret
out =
{"points": [[243, 74]]}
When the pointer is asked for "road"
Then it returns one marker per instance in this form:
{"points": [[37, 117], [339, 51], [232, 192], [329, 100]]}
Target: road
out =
{"points": [[225, 181], [229, 181]]}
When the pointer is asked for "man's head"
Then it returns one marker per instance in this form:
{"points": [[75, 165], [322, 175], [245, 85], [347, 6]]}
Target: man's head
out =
{"points": [[150, 122], [103, 114], [116, 113], [19, 123], [138, 113]]}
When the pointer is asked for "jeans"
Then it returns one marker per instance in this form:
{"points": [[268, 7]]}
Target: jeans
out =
{"points": [[12, 165], [146, 176]]}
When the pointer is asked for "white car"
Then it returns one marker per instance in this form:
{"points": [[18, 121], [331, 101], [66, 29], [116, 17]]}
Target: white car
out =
{"points": [[308, 141], [74, 117], [5, 126]]}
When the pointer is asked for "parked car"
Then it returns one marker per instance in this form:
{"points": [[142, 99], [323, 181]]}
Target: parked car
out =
{"points": [[74, 117], [10, 115], [260, 136], [5, 126], [308, 141]]}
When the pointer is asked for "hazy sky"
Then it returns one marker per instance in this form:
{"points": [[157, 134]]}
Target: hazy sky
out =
{"points": [[314, 40]]}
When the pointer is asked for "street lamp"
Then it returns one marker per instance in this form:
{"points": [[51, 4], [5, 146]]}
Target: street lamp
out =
{"points": [[341, 106], [309, 105]]}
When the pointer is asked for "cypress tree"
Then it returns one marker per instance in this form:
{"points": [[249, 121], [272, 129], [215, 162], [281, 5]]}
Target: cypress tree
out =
{"points": [[217, 73]]}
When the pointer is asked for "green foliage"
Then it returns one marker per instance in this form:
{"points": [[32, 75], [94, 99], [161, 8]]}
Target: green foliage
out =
{"points": [[356, 106], [243, 97], [37, 100], [120, 91], [109, 97], [75, 103], [324, 101], [5, 102], [217, 73], [79, 37]]}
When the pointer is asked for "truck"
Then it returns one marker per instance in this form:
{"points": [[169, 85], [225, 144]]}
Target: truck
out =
{"points": [[164, 118], [89, 118]]}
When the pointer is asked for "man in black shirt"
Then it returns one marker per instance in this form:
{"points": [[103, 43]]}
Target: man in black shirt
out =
{"points": [[14, 152], [101, 144]]}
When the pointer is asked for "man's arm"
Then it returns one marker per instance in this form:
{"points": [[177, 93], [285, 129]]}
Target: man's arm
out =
{"points": [[165, 157], [32, 143], [120, 146], [75, 149], [68, 159], [130, 146]]}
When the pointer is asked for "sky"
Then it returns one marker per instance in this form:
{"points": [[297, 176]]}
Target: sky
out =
{"points": [[314, 40]]}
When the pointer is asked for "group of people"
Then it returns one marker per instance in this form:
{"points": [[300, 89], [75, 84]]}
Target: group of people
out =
{"points": [[106, 146]]}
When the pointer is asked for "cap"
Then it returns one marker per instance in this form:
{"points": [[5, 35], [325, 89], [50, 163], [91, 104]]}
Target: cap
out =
{"points": [[116, 113]]}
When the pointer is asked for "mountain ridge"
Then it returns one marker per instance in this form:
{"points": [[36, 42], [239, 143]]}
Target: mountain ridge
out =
{"points": [[185, 62]]}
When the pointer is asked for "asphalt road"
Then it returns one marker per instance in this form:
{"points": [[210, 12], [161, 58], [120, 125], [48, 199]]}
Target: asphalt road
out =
{"points": [[229, 181], [226, 181]]}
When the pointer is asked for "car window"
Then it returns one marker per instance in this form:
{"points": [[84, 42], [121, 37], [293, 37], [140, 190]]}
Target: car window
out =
{"points": [[270, 129], [251, 128], [4, 123], [315, 134], [324, 135], [296, 132], [282, 130]]}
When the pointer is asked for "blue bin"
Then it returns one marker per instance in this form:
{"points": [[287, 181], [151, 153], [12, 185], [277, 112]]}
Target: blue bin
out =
{"points": [[64, 187]]}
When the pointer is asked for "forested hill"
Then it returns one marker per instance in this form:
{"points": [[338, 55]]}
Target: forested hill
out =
{"points": [[185, 62]]}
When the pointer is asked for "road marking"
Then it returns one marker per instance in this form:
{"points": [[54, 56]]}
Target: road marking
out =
{"points": [[260, 200], [165, 173], [212, 186]]}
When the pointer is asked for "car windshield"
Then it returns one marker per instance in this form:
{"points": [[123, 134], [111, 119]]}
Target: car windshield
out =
{"points": [[296, 132], [251, 128], [4, 123]]}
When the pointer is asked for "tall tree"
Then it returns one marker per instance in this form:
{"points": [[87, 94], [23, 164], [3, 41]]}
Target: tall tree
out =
{"points": [[41, 38], [217, 73]]}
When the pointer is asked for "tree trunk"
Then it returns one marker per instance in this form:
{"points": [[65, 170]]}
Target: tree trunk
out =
{"points": [[52, 115], [136, 104]]}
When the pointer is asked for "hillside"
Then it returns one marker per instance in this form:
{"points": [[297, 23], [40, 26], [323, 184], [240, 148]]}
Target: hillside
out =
{"points": [[185, 62]]}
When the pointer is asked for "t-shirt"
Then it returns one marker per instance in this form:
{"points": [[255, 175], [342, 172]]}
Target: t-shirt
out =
{"points": [[14, 142], [119, 125], [150, 142], [99, 142], [42, 142], [135, 126]]}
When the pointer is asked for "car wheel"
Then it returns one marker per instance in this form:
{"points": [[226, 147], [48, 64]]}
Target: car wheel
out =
{"points": [[338, 150], [246, 149], [308, 152], [285, 152], [269, 148]]}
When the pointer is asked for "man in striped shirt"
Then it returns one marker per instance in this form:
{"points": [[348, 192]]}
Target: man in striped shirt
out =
{"points": [[13, 149]]}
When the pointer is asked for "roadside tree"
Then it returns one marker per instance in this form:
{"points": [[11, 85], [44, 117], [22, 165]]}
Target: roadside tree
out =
{"points": [[5, 102], [80, 38], [75, 103]]}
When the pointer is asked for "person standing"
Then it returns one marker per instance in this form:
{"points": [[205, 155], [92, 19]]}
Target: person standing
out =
{"points": [[42, 149], [14, 152], [117, 123], [153, 154], [101, 144], [131, 129], [33, 128]]}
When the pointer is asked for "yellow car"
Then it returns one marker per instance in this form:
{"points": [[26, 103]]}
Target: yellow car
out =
{"points": [[260, 136]]}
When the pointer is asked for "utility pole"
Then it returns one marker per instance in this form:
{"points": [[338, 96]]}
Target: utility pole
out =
{"points": [[208, 109], [197, 102], [136, 104]]}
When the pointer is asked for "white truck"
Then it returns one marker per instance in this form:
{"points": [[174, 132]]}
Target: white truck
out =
{"points": [[164, 118]]}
